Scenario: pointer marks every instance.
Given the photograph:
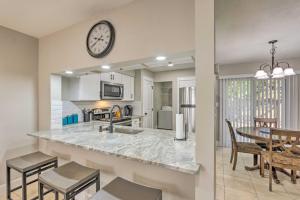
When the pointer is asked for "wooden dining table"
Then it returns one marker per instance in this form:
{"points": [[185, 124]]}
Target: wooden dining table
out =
{"points": [[255, 133], [261, 135]]}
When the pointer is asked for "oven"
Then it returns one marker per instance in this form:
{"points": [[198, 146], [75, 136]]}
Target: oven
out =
{"points": [[111, 91]]}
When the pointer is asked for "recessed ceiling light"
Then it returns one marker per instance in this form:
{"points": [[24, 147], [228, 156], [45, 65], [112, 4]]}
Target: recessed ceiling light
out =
{"points": [[68, 72], [105, 67], [170, 64], [161, 58]]}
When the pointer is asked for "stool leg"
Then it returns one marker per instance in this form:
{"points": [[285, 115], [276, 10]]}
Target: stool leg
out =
{"points": [[24, 187], [98, 183], [8, 183], [56, 195], [41, 191]]}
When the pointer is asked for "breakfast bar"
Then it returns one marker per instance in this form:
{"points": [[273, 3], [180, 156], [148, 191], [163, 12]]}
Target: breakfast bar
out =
{"points": [[148, 157]]}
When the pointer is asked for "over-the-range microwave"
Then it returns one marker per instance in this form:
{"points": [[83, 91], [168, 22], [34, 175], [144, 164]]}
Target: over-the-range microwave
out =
{"points": [[111, 91]]}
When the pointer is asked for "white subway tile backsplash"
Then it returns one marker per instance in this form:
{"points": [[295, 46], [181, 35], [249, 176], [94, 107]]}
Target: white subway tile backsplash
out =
{"points": [[56, 114], [70, 108], [61, 109]]}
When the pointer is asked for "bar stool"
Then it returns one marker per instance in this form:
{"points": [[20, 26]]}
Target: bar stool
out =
{"points": [[28, 165], [121, 189], [69, 179]]}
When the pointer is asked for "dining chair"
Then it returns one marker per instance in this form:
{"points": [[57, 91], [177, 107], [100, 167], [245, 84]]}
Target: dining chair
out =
{"points": [[265, 122], [284, 153], [241, 147]]}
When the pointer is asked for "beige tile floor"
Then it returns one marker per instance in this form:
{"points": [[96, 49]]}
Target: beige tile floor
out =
{"points": [[245, 185]]}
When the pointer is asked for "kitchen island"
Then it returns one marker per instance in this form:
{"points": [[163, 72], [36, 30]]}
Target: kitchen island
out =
{"points": [[150, 157]]}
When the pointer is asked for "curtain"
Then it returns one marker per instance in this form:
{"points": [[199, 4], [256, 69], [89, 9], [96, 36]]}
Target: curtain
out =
{"points": [[292, 103], [269, 99], [242, 99], [236, 105]]}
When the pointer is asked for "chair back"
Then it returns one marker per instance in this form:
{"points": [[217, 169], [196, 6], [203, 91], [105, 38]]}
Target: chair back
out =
{"points": [[284, 147], [265, 122], [232, 134]]}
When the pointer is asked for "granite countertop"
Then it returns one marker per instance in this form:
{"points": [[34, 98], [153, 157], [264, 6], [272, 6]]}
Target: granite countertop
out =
{"points": [[152, 146]]}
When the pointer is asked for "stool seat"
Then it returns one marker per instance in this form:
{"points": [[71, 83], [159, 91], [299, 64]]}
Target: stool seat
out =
{"points": [[67, 177], [30, 161], [121, 189]]}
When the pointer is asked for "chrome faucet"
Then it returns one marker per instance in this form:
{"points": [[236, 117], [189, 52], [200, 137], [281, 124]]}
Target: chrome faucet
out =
{"points": [[111, 128]]}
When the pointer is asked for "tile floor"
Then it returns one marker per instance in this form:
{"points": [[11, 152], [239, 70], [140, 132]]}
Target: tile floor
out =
{"points": [[245, 185]]}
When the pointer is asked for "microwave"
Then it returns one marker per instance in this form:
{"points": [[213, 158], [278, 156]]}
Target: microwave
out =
{"points": [[111, 91]]}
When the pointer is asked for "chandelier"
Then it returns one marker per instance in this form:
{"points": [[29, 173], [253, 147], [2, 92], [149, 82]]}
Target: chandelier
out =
{"points": [[276, 69]]}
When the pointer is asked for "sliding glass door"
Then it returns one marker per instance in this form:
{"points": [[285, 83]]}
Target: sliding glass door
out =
{"points": [[242, 99]]}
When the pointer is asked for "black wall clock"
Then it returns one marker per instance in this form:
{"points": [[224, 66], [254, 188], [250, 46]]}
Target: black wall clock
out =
{"points": [[100, 39]]}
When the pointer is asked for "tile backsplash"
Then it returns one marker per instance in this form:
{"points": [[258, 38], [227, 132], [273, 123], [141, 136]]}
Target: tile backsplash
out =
{"points": [[61, 109], [56, 114]]}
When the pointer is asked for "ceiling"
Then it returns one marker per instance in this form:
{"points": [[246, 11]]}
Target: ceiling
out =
{"points": [[183, 60], [39, 18], [243, 28]]}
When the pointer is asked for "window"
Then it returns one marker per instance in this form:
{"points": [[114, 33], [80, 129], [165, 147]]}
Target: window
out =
{"points": [[242, 99], [269, 99]]}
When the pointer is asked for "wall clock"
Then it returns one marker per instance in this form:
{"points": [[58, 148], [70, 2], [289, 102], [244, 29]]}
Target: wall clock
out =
{"points": [[100, 39]]}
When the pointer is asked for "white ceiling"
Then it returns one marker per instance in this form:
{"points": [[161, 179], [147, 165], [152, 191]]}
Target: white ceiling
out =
{"points": [[43, 17], [183, 60], [243, 28]]}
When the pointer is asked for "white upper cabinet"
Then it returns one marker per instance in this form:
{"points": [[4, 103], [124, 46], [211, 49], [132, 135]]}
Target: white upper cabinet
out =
{"points": [[106, 77], [89, 87], [111, 77], [128, 83], [117, 78]]}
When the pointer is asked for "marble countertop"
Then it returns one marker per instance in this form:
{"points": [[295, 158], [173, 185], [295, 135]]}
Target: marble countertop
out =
{"points": [[152, 146]]}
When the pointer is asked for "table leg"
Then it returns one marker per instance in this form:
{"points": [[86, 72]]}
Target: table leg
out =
{"points": [[275, 177]]}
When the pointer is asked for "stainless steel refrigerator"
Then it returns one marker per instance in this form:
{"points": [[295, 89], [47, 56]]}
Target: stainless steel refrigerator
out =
{"points": [[187, 106]]}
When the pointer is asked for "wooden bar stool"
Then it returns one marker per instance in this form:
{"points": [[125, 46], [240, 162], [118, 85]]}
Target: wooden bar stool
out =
{"points": [[69, 179], [121, 189], [28, 165]]}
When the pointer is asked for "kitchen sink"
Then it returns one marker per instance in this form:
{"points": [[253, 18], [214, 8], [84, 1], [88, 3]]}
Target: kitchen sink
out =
{"points": [[128, 131]]}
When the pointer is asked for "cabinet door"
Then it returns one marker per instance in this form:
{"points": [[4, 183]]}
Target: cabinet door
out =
{"points": [[127, 87], [131, 94], [106, 77], [116, 77], [89, 87]]}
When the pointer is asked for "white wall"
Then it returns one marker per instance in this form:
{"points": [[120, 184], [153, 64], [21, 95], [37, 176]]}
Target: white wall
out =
{"points": [[18, 86], [173, 76], [138, 35]]}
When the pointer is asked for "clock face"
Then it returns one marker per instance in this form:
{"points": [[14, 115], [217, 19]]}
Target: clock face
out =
{"points": [[100, 39]]}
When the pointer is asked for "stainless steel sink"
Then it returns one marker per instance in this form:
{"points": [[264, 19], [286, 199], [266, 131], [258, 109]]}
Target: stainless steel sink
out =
{"points": [[127, 131]]}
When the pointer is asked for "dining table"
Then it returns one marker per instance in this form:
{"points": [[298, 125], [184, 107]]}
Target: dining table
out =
{"points": [[262, 135]]}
